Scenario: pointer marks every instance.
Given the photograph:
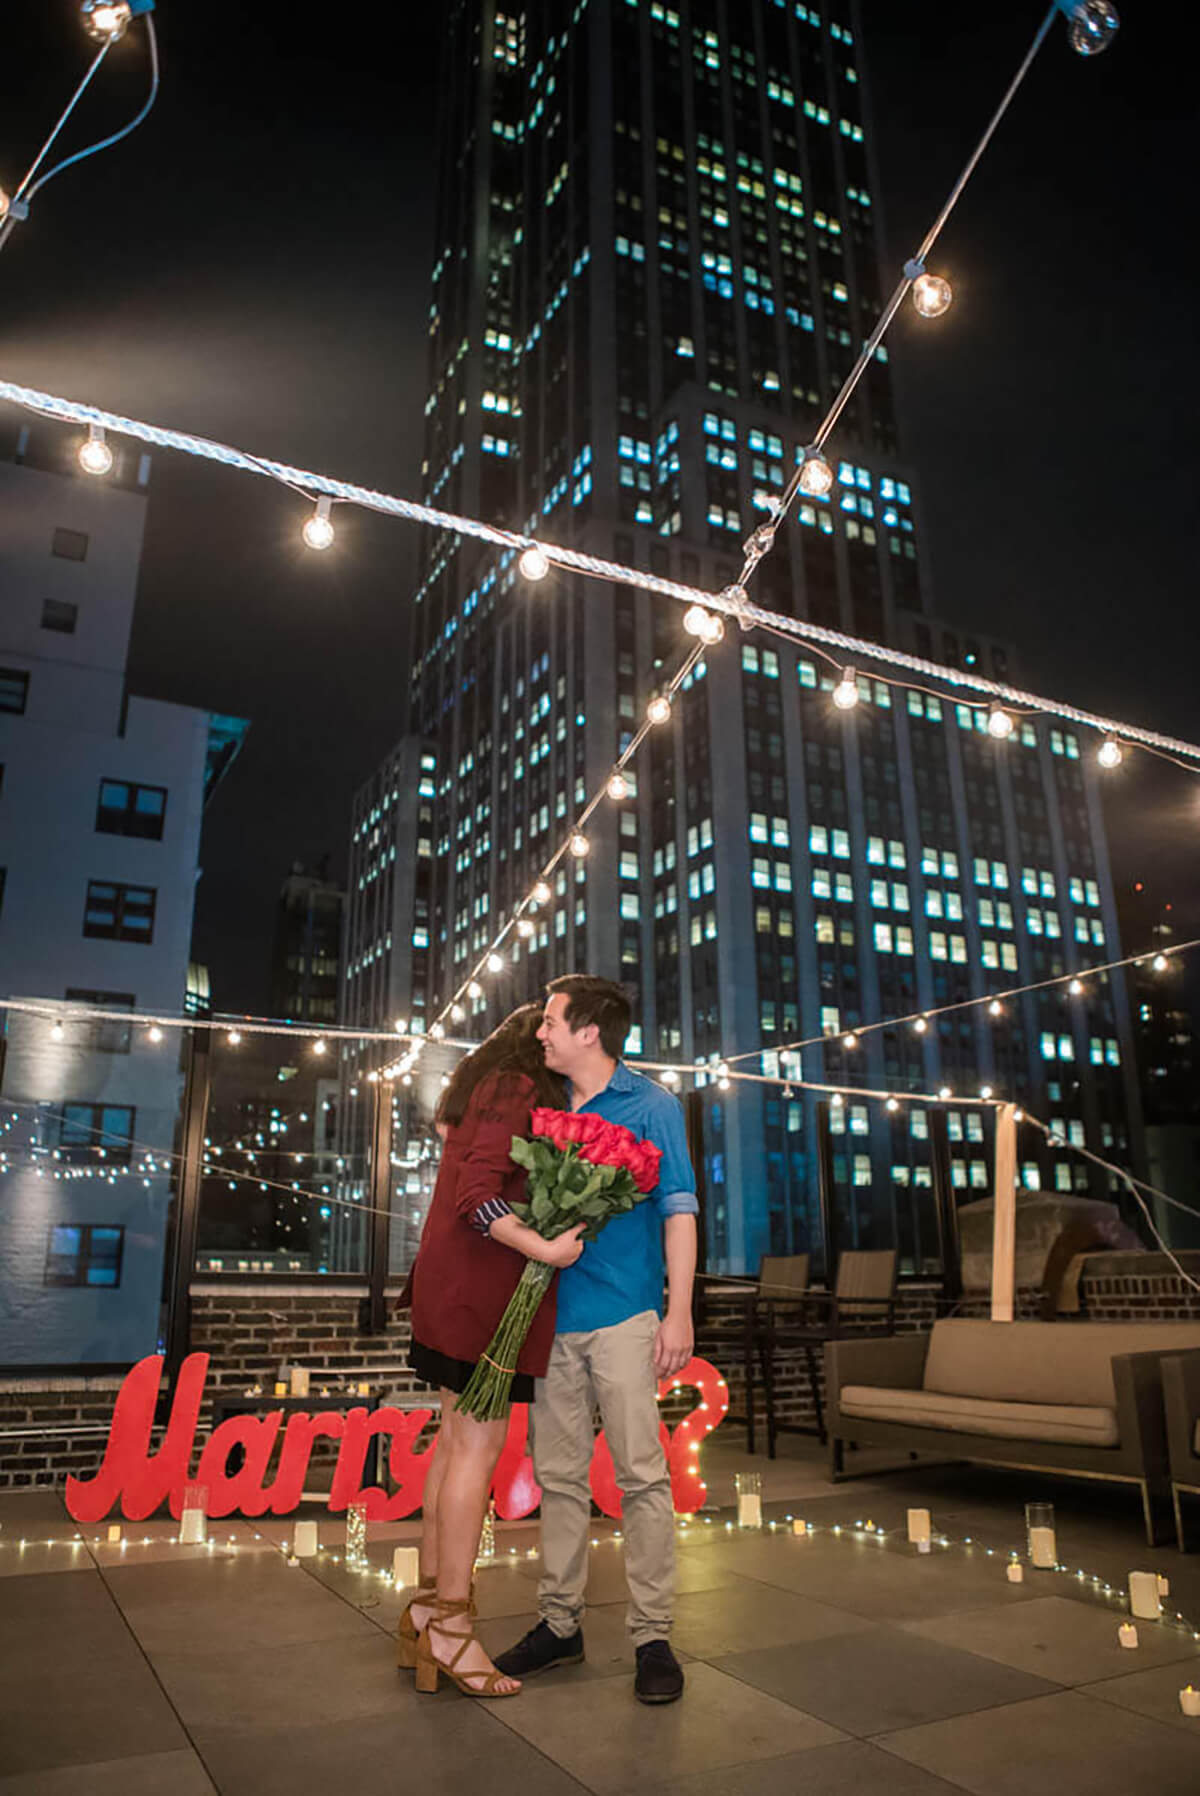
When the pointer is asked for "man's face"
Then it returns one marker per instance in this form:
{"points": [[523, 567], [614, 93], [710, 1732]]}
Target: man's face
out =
{"points": [[560, 1045]]}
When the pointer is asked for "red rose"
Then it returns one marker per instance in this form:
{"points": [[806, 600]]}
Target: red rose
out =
{"points": [[600, 1142]]}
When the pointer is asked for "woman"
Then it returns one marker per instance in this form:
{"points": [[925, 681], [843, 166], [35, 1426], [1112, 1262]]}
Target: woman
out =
{"points": [[472, 1252]]}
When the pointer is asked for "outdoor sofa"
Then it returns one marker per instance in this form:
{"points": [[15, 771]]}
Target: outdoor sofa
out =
{"points": [[1083, 1399], [1181, 1393]]}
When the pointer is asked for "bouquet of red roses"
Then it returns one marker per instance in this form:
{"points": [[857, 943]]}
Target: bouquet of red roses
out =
{"points": [[581, 1169]]}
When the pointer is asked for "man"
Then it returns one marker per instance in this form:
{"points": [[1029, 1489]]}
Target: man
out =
{"points": [[610, 1350]]}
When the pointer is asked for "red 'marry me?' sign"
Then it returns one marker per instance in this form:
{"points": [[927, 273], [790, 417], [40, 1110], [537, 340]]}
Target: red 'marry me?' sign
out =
{"points": [[140, 1480]]}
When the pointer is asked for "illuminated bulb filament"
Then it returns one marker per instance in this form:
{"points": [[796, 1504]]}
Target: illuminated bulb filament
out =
{"points": [[618, 786], [495, 963], [580, 846], [318, 1047], [541, 893], [845, 693], [659, 709], [1110, 753], [318, 531], [534, 563], [816, 475], [95, 456], [931, 295], [1000, 723]]}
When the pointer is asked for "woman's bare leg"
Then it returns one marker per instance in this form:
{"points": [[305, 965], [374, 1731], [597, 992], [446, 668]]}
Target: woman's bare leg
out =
{"points": [[433, 1483], [462, 1499]]}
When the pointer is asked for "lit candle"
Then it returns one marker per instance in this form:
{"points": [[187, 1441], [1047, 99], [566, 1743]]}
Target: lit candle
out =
{"points": [[1015, 1572], [1143, 1595], [1043, 1548], [364, 1389], [299, 1382], [193, 1522], [281, 1389], [799, 1527], [1127, 1634], [406, 1568], [1164, 1585], [114, 1531], [304, 1539], [1189, 1700], [919, 1525]]}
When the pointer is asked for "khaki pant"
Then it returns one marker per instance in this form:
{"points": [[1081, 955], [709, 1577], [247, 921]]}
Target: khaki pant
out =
{"points": [[611, 1369]]}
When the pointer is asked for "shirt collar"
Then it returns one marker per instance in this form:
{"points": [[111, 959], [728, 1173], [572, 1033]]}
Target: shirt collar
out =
{"points": [[622, 1080]]}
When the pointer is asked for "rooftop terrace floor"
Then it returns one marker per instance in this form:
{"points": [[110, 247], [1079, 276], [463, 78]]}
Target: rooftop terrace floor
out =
{"points": [[830, 1663]]}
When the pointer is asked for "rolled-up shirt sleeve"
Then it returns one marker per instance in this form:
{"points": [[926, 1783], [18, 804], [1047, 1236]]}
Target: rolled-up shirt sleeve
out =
{"points": [[675, 1193], [499, 1110]]}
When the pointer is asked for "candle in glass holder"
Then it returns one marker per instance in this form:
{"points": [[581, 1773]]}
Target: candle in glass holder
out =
{"points": [[304, 1539], [799, 1527], [1043, 1541], [1189, 1700], [281, 1389], [748, 1486], [193, 1522], [114, 1530], [1016, 1572], [1127, 1634], [1143, 1595], [300, 1381]]}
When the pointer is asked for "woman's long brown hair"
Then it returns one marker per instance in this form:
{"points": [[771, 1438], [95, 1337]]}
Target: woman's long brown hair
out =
{"points": [[511, 1048]]}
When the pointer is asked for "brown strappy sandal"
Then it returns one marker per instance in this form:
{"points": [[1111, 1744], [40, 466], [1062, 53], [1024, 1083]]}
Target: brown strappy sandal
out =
{"points": [[429, 1668], [424, 1597]]}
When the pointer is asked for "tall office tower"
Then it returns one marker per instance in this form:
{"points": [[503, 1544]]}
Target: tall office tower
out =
{"points": [[657, 256]]}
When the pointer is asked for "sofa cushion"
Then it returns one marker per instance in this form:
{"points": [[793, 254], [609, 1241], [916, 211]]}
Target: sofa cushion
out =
{"points": [[1042, 1362], [1082, 1425]]}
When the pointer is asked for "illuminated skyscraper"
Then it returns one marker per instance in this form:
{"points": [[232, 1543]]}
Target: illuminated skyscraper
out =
{"points": [[657, 256]]}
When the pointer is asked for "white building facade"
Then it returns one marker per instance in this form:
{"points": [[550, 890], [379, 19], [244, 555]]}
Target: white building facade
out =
{"points": [[100, 810]]}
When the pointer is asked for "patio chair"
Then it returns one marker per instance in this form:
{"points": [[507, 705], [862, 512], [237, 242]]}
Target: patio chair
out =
{"points": [[738, 1304], [1181, 1399], [862, 1302]]}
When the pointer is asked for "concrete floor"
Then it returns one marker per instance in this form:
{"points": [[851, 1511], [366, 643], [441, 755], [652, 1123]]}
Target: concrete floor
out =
{"points": [[833, 1663]]}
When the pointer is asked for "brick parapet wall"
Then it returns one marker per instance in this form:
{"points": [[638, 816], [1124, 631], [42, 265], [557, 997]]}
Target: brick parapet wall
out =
{"points": [[54, 1425]]}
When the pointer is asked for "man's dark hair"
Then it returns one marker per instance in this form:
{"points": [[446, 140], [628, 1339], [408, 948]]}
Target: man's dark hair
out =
{"points": [[591, 999]]}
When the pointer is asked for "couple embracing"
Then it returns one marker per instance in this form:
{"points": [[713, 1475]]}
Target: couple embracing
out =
{"points": [[599, 1340]]}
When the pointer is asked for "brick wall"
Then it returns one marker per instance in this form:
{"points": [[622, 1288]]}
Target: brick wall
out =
{"points": [[50, 1426]]}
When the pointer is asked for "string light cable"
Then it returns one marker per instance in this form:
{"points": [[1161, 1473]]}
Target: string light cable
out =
{"points": [[106, 21]]}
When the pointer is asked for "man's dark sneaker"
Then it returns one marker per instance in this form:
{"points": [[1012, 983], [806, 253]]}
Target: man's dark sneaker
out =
{"points": [[659, 1675], [540, 1650]]}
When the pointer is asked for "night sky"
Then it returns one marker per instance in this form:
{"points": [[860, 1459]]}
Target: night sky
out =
{"points": [[253, 265]]}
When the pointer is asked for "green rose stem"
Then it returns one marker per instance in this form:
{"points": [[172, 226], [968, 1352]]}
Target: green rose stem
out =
{"points": [[486, 1394]]}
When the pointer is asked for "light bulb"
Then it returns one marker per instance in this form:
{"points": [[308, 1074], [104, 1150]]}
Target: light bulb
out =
{"points": [[1075, 987], [920, 1025], [892, 1104], [57, 1032], [985, 1091], [850, 1041], [318, 531], [1092, 27], [541, 893], [534, 562], [659, 709], [1000, 723], [154, 1033], [712, 629], [95, 456], [1110, 753], [437, 1031], [401, 1025], [457, 1013], [234, 1037], [579, 845], [837, 1099], [5, 203], [1159, 963], [945, 1092], [318, 1046], [495, 962], [474, 990], [722, 1083], [931, 295], [845, 693], [670, 1077], [816, 475], [524, 928], [995, 1008], [105, 20], [618, 786], [696, 620]]}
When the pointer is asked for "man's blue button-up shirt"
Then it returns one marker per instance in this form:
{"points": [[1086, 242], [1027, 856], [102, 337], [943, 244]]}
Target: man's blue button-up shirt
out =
{"points": [[622, 1273]]}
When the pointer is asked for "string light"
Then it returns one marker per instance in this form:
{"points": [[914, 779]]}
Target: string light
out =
{"points": [[944, 1092], [1159, 963], [850, 1041], [95, 456], [154, 1033], [541, 893], [58, 1032], [931, 294], [921, 1025], [816, 475], [106, 20], [995, 1008], [318, 1046], [579, 845], [696, 620], [495, 962], [659, 709], [985, 1091], [457, 1013], [318, 532], [845, 693], [234, 1038], [1110, 754], [534, 562], [618, 786], [1075, 987], [1091, 26], [525, 927], [1000, 722], [5, 205], [474, 989]]}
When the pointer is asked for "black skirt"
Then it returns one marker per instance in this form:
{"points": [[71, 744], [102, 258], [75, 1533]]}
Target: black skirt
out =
{"points": [[438, 1369]]}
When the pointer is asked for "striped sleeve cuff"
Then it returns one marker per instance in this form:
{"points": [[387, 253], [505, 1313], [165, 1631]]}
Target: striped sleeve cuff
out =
{"points": [[489, 1212]]}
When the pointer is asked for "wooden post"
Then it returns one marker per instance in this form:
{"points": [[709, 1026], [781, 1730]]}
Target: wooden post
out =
{"points": [[1004, 1221]]}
